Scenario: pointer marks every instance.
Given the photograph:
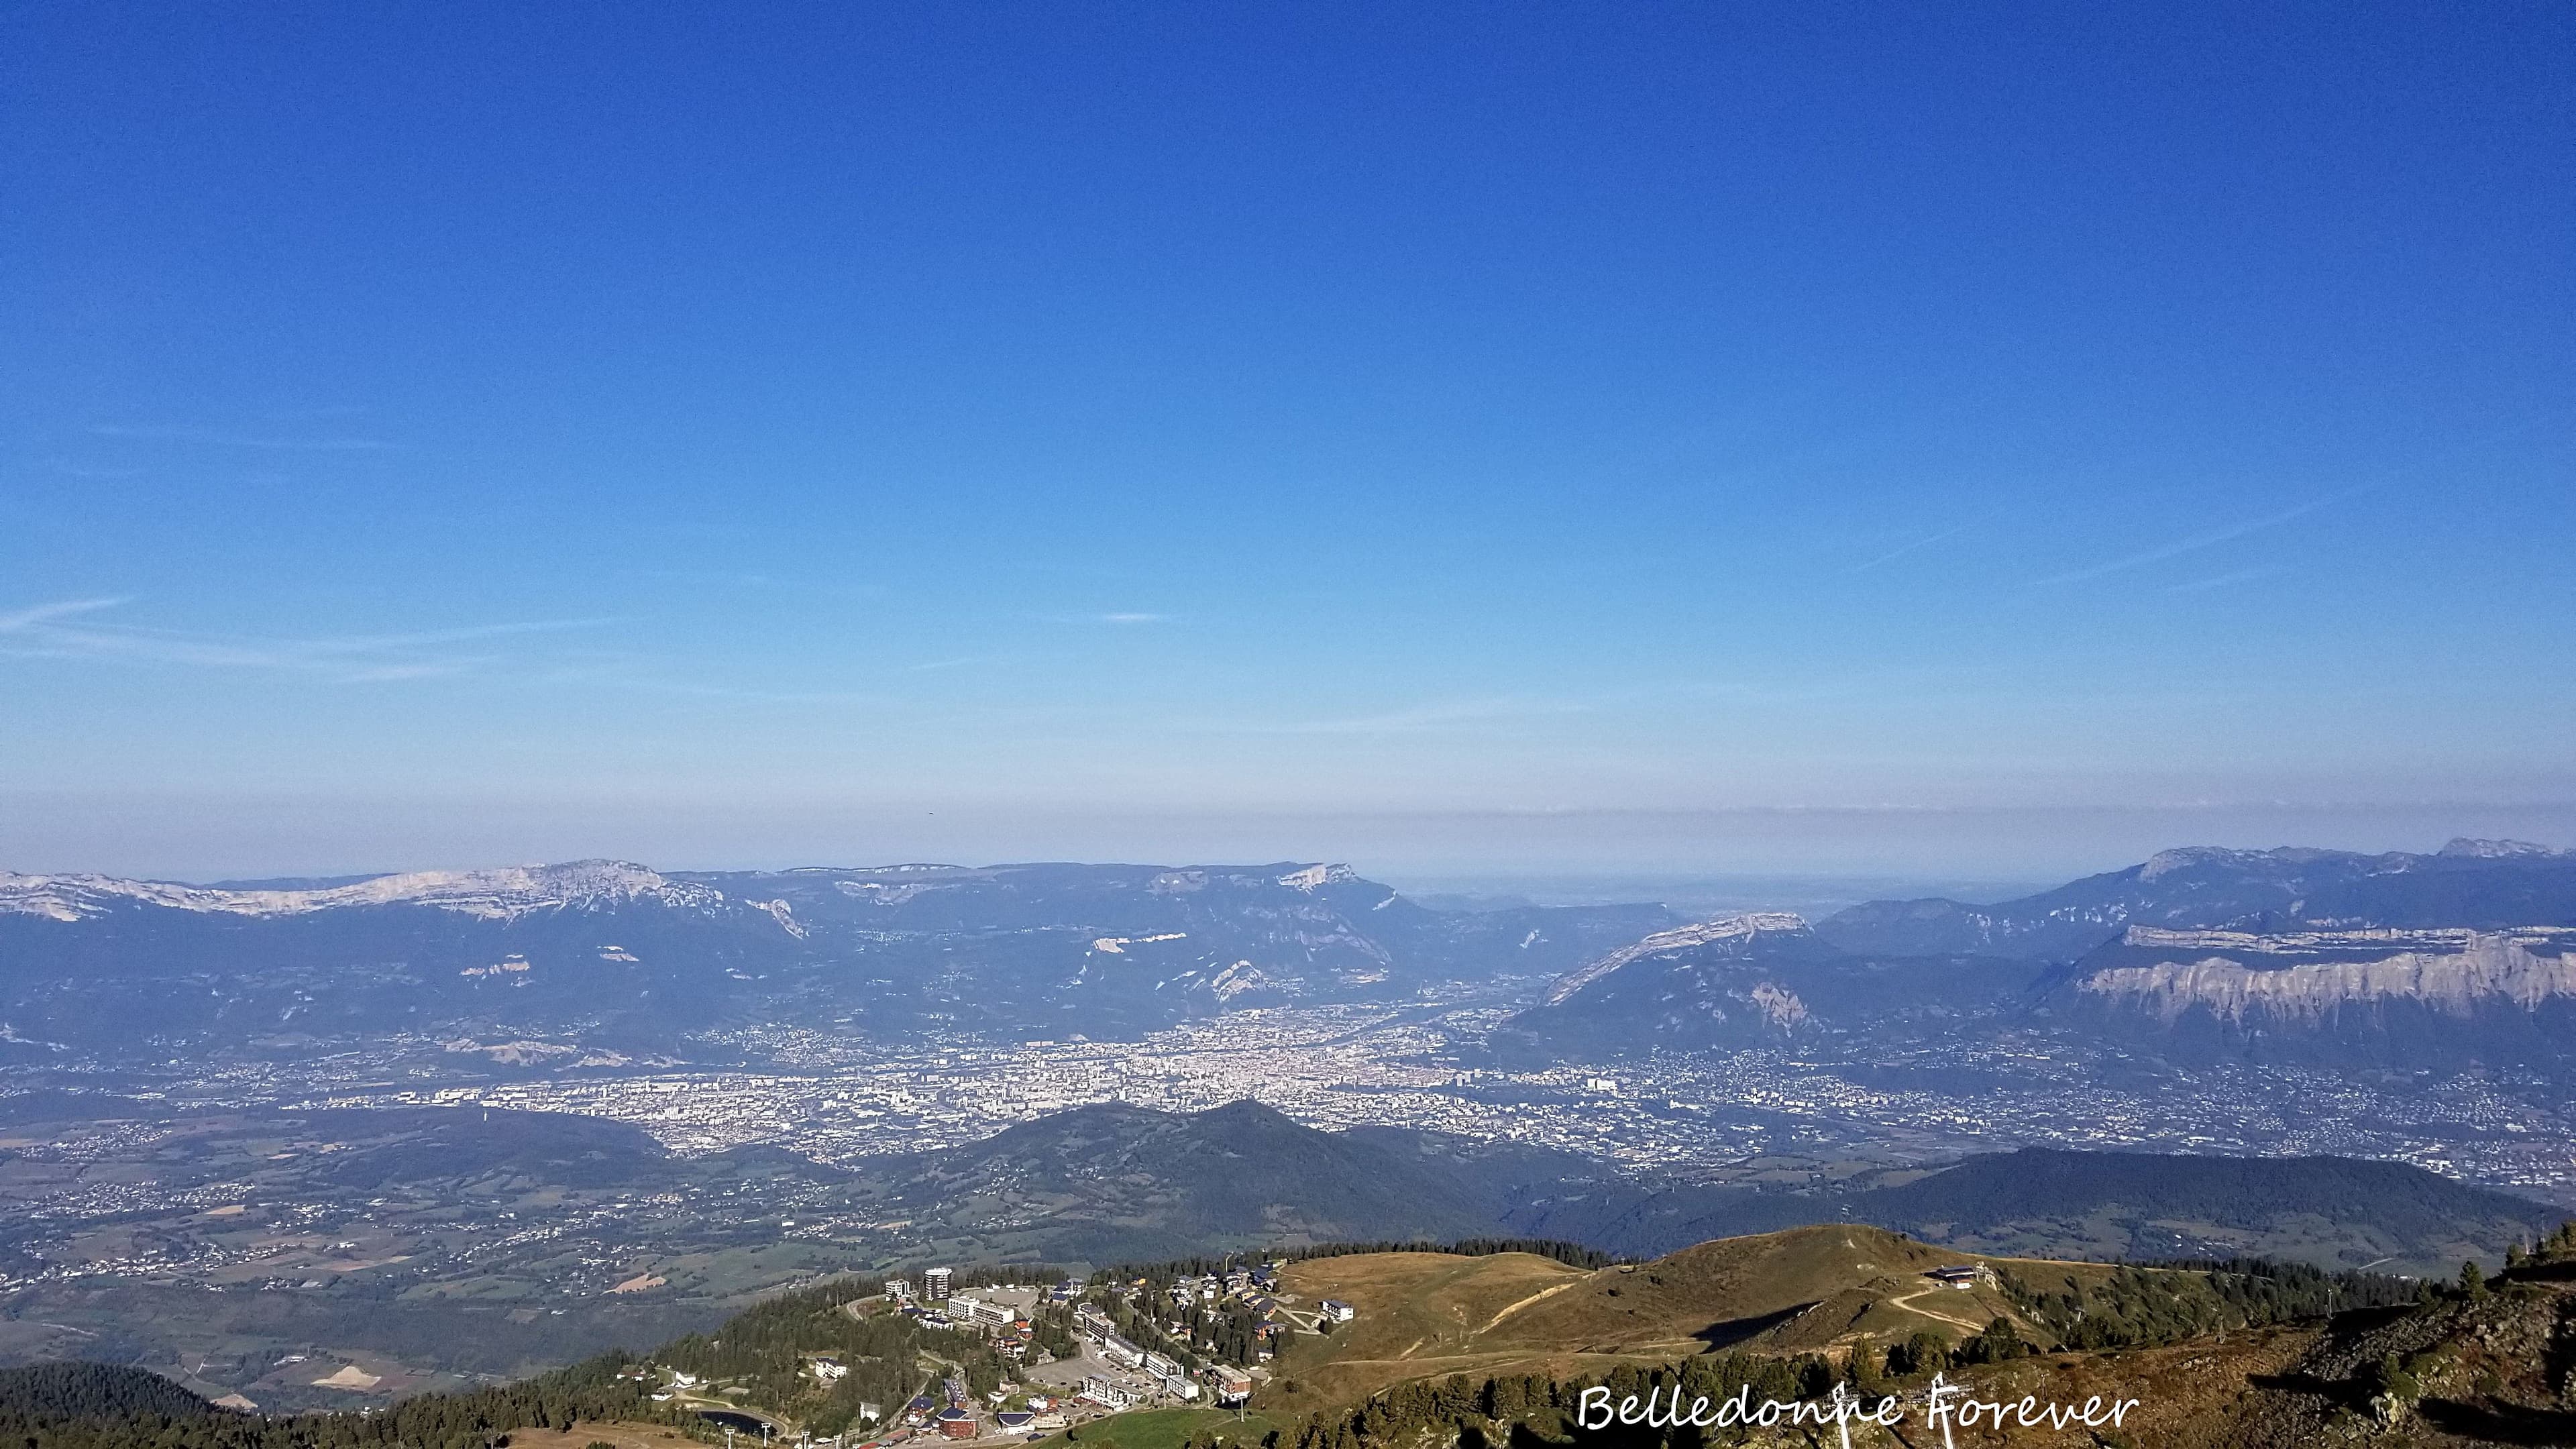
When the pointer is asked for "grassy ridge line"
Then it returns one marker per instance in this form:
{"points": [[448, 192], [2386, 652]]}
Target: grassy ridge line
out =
{"points": [[1164, 1270]]}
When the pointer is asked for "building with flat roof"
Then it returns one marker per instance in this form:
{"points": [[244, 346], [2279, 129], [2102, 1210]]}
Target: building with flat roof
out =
{"points": [[1112, 1393]]}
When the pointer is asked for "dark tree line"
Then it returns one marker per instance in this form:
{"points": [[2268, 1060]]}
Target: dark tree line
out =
{"points": [[481, 1419], [1166, 1270], [94, 1388], [2140, 1307]]}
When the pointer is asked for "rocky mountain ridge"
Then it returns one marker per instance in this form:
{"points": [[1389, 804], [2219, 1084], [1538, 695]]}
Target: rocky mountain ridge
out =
{"points": [[625, 957], [2478, 883], [493, 894], [2463, 957]]}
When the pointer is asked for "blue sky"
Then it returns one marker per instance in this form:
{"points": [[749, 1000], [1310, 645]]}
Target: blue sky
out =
{"points": [[851, 432]]}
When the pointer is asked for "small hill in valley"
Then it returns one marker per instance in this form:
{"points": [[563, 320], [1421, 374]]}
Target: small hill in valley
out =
{"points": [[1114, 1183]]}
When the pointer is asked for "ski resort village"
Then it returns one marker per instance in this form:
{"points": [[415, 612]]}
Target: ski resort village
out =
{"points": [[1031, 1359]]}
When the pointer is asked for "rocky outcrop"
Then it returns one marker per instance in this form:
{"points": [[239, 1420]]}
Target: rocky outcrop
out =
{"points": [[1737, 931], [2302, 977]]}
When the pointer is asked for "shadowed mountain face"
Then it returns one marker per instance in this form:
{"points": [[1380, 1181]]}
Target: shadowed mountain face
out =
{"points": [[627, 960], [1749, 981], [2334, 1212], [1115, 1182]]}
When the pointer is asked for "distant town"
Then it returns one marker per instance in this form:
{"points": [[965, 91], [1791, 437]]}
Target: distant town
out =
{"points": [[836, 1098]]}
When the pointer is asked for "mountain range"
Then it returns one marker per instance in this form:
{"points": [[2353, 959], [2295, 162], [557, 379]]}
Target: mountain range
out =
{"points": [[626, 958], [2460, 958], [2476, 884], [2466, 956]]}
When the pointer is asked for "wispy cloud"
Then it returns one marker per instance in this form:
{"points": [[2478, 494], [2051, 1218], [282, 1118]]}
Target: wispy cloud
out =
{"points": [[635, 682], [91, 472], [2222, 580], [1122, 618], [1894, 554], [25, 619], [63, 630], [264, 442], [386, 673], [1422, 718], [753, 581], [2191, 544]]}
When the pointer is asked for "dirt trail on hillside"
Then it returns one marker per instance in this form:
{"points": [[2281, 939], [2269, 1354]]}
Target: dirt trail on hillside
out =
{"points": [[1514, 1307], [1906, 1302]]}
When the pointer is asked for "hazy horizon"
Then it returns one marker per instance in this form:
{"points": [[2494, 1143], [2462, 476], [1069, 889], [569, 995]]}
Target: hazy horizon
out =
{"points": [[1927, 852]]}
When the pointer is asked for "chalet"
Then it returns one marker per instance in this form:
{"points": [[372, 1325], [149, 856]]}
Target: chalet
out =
{"points": [[1333, 1310], [1232, 1385], [1963, 1275], [827, 1369]]}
